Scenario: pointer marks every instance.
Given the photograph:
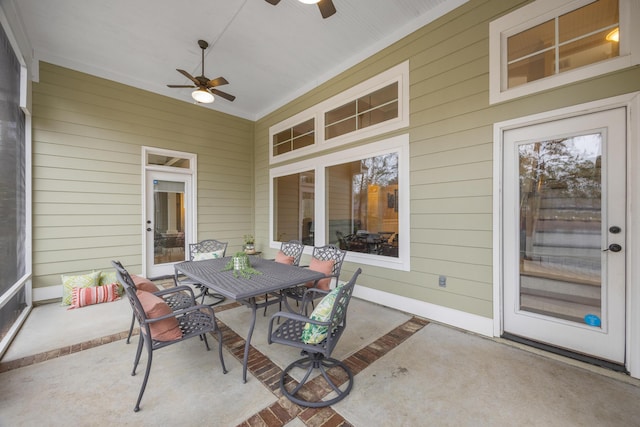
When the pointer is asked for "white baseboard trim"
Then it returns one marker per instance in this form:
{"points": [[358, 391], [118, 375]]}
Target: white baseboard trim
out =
{"points": [[456, 318], [47, 293]]}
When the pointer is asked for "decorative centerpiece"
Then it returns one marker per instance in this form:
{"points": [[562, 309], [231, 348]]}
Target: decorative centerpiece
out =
{"points": [[249, 244], [241, 266]]}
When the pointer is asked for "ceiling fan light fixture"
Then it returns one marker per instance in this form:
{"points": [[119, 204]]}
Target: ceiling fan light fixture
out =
{"points": [[203, 96], [309, 1]]}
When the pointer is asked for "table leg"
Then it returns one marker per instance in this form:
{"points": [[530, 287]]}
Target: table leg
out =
{"points": [[247, 344]]}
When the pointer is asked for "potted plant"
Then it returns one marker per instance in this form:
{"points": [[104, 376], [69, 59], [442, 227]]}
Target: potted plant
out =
{"points": [[249, 244], [241, 266]]}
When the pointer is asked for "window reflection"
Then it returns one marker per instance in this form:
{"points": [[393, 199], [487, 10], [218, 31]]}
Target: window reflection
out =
{"points": [[169, 220], [560, 226], [294, 207], [362, 205]]}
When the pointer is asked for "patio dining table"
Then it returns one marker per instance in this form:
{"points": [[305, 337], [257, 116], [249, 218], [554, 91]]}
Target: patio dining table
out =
{"points": [[273, 277]]}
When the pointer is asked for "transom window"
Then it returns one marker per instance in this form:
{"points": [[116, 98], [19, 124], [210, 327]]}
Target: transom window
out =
{"points": [[548, 43], [581, 37], [368, 110], [375, 106], [298, 136]]}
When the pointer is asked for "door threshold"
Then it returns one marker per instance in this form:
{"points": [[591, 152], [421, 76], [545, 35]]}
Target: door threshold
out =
{"points": [[566, 353]]}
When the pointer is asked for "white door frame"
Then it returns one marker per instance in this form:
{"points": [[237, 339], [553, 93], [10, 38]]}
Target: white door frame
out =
{"points": [[632, 103], [192, 202]]}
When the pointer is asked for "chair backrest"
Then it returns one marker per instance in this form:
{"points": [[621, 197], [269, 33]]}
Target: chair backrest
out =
{"points": [[207, 246], [293, 248], [331, 252], [130, 289], [338, 314]]}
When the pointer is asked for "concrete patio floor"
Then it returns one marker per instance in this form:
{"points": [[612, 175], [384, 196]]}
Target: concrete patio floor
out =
{"points": [[73, 367]]}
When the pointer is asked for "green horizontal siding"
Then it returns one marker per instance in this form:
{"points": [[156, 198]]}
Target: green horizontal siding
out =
{"points": [[87, 173], [451, 166]]}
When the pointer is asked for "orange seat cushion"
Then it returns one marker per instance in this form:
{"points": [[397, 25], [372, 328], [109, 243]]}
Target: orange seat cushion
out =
{"points": [[325, 267], [154, 307]]}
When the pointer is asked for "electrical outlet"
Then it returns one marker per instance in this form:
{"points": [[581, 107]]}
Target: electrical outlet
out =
{"points": [[442, 281]]}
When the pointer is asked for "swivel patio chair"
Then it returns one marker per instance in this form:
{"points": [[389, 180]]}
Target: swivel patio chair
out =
{"points": [[316, 336], [289, 251], [327, 259], [205, 249], [161, 327]]}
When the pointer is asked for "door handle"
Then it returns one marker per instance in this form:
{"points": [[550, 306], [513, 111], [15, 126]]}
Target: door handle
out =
{"points": [[614, 247], [148, 229]]}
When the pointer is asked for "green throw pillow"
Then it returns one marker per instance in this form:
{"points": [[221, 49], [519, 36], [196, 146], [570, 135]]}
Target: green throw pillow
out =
{"points": [[315, 334], [81, 281], [107, 278]]}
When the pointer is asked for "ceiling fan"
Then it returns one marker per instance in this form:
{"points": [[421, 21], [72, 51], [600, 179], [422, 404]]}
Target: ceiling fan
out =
{"points": [[326, 6], [205, 88]]}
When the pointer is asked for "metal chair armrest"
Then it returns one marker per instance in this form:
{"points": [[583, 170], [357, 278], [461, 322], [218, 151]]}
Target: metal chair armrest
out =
{"points": [[175, 289], [292, 316], [181, 312]]}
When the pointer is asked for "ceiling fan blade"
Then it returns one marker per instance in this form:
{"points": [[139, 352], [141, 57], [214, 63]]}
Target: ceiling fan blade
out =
{"points": [[217, 82], [189, 76], [273, 2], [174, 86], [223, 94], [326, 8]]}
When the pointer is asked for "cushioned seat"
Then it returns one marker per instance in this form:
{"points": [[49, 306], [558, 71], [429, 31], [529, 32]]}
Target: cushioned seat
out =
{"points": [[326, 259], [160, 326], [203, 250], [175, 300], [290, 253]]}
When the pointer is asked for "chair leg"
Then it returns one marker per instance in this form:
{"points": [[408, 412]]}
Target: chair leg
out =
{"points": [[138, 353], [206, 343], [133, 321], [144, 382], [266, 300]]}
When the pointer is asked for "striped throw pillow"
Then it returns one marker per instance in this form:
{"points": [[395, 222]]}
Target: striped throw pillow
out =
{"points": [[81, 297]]}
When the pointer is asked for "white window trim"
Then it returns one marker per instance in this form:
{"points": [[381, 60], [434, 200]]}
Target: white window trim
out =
{"points": [[541, 11], [192, 232], [398, 73], [397, 144]]}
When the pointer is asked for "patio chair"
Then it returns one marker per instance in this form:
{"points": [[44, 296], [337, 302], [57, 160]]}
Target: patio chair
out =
{"points": [[316, 336], [161, 327], [176, 299], [290, 252], [205, 249], [327, 259]]}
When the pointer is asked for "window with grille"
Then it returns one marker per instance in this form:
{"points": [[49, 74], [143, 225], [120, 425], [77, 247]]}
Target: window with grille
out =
{"points": [[549, 43]]}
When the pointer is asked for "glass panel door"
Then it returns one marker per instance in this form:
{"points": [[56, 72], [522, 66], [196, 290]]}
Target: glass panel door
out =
{"points": [[167, 221], [564, 281]]}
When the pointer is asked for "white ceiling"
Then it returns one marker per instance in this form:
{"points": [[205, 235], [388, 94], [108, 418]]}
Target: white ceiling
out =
{"points": [[269, 54]]}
